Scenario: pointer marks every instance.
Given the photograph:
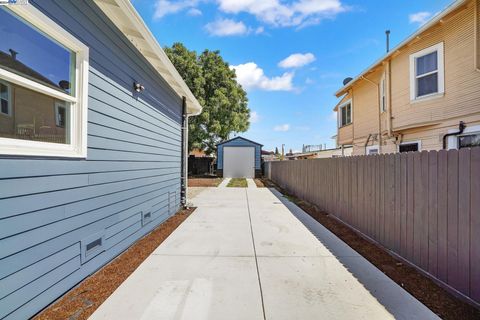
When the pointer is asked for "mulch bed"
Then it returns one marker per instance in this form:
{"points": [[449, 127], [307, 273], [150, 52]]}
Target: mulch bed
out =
{"points": [[437, 299], [259, 183], [204, 182], [83, 300]]}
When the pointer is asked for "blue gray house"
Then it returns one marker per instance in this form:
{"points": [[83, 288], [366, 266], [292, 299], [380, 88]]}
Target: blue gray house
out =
{"points": [[239, 158], [91, 143]]}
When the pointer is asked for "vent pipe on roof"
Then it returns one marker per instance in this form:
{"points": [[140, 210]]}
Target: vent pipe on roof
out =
{"points": [[13, 53], [387, 33]]}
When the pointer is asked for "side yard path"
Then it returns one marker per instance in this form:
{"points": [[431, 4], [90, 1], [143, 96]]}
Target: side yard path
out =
{"points": [[245, 255]]}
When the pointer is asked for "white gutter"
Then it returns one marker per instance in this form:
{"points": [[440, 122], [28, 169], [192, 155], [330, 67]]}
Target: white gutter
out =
{"points": [[454, 6]]}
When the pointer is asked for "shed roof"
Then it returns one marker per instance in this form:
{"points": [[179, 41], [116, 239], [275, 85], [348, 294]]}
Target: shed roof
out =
{"points": [[230, 140], [128, 21]]}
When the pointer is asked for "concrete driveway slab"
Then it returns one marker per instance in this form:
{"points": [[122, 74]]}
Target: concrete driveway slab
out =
{"points": [[314, 288], [209, 239], [251, 254], [176, 287]]}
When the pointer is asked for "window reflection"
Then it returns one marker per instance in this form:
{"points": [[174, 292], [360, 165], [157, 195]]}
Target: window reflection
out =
{"points": [[26, 51], [29, 115]]}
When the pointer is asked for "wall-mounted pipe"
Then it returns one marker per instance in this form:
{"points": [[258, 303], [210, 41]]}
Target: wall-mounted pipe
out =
{"points": [[461, 128], [184, 154], [377, 85]]}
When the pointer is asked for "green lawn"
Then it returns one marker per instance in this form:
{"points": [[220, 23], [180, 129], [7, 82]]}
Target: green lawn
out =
{"points": [[237, 183]]}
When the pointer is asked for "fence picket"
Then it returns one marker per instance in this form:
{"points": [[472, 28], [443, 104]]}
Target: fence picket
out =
{"points": [[423, 206]]}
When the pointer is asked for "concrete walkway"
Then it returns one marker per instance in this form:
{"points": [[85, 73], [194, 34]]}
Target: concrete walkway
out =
{"points": [[251, 254]]}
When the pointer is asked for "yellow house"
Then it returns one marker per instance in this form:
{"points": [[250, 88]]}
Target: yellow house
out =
{"points": [[422, 95]]}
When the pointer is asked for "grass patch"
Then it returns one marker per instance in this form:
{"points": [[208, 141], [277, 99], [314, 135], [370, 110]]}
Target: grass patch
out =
{"points": [[237, 183]]}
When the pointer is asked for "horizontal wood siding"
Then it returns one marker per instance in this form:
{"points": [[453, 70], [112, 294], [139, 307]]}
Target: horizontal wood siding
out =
{"points": [[48, 206], [423, 206]]}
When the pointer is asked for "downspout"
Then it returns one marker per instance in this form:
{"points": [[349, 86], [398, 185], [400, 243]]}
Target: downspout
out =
{"points": [[377, 85], [389, 106], [461, 128], [184, 155]]}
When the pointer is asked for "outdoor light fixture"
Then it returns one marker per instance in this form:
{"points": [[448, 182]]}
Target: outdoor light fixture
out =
{"points": [[138, 87]]}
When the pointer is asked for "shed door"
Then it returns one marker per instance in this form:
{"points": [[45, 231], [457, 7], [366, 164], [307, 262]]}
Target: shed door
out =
{"points": [[239, 162]]}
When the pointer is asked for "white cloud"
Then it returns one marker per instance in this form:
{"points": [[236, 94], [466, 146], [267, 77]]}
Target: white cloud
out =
{"points": [[254, 117], [333, 116], [166, 7], [259, 30], [226, 27], [282, 127], [194, 12], [276, 13], [251, 76], [419, 17], [297, 60], [309, 81]]}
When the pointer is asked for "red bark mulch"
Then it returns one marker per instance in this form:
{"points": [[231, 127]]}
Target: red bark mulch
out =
{"points": [[204, 182], [259, 183], [83, 300], [437, 299]]}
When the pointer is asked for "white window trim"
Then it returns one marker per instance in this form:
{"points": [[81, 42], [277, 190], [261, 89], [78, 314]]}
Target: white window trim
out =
{"points": [[419, 142], [9, 105], [339, 118], [452, 141], [368, 148], [439, 48], [382, 94], [78, 114]]}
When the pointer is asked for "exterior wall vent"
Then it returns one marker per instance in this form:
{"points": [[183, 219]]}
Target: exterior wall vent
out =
{"points": [[146, 217], [92, 246]]}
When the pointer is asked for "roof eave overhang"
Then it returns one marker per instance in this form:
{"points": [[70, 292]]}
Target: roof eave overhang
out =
{"points": [[124, 16], [436, 19]]}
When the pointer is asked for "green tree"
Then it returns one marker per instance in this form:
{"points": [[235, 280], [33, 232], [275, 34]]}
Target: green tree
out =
{"points": [[276, 151], [214, 84]]}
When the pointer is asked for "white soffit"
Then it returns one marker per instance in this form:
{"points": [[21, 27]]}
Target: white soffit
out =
{"points": [[128, 21]]}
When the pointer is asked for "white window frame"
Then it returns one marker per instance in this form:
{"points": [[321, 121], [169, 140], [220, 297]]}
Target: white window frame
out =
{"points": [[369, 148], [343, 105], [439, 48], [77, 148], [382, 94], [9, 105], [418, 142], [452, 141]]}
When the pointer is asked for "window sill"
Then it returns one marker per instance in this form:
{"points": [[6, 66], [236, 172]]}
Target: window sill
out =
{"points": [[428, 97], [347, 125], [27, 148]]}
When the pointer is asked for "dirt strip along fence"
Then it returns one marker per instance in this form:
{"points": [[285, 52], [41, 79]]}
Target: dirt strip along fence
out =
{"points": [[423, 206]]}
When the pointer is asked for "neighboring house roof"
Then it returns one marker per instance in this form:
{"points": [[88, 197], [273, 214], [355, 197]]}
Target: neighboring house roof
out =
{"points": [[9, 62], [226, 141], [128, 21], [437, 18]]}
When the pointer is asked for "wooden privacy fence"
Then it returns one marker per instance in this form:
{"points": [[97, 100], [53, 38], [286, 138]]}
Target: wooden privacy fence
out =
{"points": [[424, 206]]}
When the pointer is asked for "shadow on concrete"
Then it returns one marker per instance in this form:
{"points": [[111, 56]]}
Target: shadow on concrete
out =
{"points": [[400, 303]]}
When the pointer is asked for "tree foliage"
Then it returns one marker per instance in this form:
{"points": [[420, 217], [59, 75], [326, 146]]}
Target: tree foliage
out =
{"points": [[214, 84]]}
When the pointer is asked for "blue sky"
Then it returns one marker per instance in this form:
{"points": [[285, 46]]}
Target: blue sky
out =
{"points": [[291, 99]]}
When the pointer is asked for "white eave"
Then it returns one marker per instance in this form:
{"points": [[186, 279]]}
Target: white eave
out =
{"points": [[436, 19], [128, 21]]}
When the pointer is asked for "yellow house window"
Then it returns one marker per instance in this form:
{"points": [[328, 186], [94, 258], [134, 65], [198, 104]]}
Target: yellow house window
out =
{"points": [[383, 100], [427, 73], [345, 114]]}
